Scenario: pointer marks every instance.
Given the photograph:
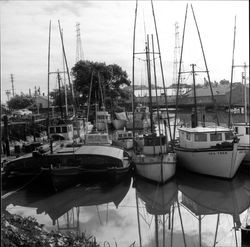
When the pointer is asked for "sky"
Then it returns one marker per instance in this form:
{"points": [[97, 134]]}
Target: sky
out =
{"points": [[106, 29]]}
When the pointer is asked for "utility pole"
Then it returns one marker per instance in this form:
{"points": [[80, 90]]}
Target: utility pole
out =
{"points": [[12, 84], [79, 50]]}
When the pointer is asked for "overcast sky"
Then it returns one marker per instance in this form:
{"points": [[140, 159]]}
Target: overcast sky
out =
{"points": [[107, 33]]}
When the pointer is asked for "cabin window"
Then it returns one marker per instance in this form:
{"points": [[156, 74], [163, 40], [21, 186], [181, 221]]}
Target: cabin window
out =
{"points": [[200, 137], [64, 129], [247, 130], [58, 129], [120, 135], [229, 136], [188, 136], [216, 137], [52, 130], [130, 135], [237, 130]]}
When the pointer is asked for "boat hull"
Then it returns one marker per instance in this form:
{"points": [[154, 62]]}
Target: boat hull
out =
{"points": [[156, 168], [214, 162]]}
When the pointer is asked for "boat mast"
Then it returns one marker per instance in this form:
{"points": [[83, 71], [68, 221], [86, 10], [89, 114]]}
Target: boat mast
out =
{"points": [[162, 75], [156, 94], [194, 121], [67, 67], [149, 85], [133, 70], [59, 90], [179, 74], [48, 131], [205, 61], [232, 72]]}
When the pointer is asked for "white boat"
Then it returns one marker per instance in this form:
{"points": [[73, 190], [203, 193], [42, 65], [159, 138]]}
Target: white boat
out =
{"points": [[154, 162], [211, 151]]}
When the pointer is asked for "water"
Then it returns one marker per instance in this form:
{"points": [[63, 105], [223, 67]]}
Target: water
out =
{"points": [[189, 210]]}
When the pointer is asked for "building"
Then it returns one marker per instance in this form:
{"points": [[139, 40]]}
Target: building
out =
{"points": [[41, 102], [221, 95]]}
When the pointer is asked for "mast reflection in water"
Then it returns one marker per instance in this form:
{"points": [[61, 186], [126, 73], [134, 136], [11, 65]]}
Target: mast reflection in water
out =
{"points": [[189, 210]]}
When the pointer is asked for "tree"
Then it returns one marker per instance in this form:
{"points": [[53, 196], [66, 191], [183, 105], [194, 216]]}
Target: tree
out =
{"points": [[55, 95], [107, 83], [20, 102]]}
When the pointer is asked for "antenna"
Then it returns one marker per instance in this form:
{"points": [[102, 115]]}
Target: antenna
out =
{"points": [[12, 84], [79, 50]]}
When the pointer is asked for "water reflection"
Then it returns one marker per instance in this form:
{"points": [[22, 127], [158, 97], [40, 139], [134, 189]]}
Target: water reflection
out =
{"points": [[189, 210], [158, 201], [207, 211], [217, 205]]}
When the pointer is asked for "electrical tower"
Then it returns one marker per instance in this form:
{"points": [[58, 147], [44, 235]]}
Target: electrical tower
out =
{"points": [[176, 53], [79, 50], [12, 84], [177, 56], [8, 94]]}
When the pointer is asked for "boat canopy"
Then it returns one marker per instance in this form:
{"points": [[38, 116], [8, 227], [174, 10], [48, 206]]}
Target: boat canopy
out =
{"points": [[98, 150]]}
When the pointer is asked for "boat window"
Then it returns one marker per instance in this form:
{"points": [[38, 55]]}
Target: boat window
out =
{"points": [[130, 135], [200, 137], [52, 130], [236, 130], [58, 129], [120, 135], [247, 130], [229, 135], [216, 137], [64, 129], [188, 136]]}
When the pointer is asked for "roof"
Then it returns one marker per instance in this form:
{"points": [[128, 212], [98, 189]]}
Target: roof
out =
{"points": [[102, 150], [200, 129], [205, 91], [217, 90]]}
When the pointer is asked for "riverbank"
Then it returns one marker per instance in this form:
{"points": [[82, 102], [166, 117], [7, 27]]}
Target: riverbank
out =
{"points": [[20, 231]]}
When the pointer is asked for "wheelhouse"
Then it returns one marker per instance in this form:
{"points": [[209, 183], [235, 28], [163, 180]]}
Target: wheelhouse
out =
{"points": [[204, 137]]}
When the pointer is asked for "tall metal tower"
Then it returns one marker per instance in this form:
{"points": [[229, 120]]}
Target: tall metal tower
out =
{"points": [[79, 50], [176, 53], [12, 84], [8, 94]]}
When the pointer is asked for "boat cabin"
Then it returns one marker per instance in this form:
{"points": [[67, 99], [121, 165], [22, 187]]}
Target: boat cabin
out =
{"points": [[97, 138], [61, 132], [121, 135], [204, 137], [243, 132], [103, 117]]}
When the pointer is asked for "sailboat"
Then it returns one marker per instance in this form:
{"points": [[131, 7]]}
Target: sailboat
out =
{"points": [[207, 150], [155, 161]]}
